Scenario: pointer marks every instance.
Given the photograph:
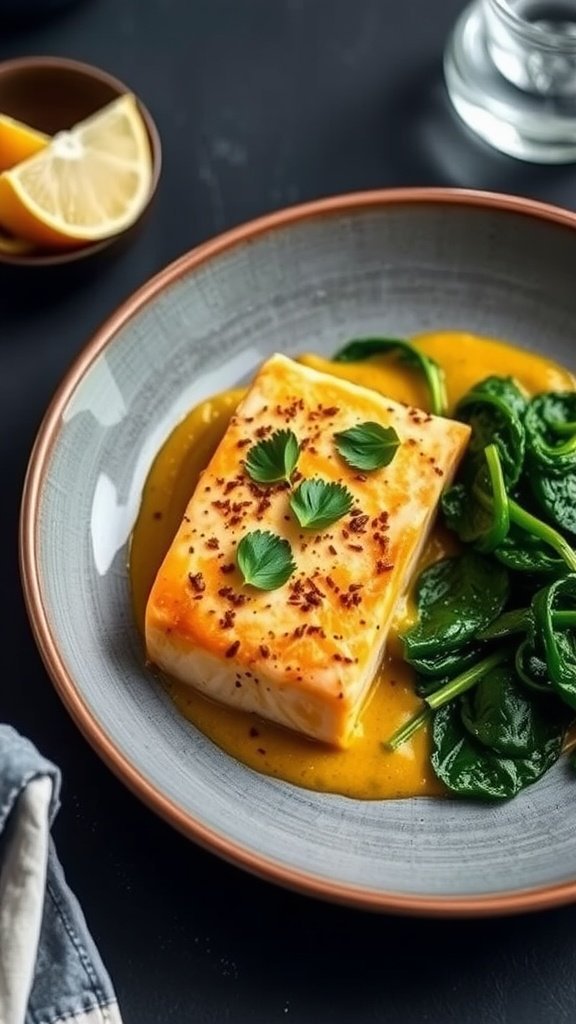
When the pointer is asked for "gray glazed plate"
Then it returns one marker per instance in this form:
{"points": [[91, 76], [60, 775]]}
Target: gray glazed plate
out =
{"points": [[304, 279]]}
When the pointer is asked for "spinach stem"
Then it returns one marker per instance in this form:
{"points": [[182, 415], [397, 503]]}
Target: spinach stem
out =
{"points": [[445, 694], [435, 380], [497, 504], [540, 529], [568, 428], [564, 620], [406, 731]]}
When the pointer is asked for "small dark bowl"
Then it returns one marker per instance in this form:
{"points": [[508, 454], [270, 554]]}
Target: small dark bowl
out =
{"points": [[52, 94]]}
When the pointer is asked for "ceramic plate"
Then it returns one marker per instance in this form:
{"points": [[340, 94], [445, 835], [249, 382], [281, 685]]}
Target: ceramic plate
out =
{"points": [[307, 278]]}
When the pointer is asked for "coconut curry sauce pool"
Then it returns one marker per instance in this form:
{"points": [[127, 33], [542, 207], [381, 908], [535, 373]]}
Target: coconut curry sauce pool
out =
{"points": [[365, 770]]}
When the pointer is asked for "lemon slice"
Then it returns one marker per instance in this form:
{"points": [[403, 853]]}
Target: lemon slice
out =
{"points": [[89, 183], [18, 142]]}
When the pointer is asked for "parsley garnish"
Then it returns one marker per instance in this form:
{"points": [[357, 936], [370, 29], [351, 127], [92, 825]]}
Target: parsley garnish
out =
{"points": [[317, 504], [274, 459], [367, 446], [264, 559]]}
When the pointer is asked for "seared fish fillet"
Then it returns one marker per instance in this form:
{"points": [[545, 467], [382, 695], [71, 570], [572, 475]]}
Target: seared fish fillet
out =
{"points": [[303, 655]]}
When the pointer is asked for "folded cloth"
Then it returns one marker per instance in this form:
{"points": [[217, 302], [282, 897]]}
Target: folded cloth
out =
{"points": [[50, 969]]}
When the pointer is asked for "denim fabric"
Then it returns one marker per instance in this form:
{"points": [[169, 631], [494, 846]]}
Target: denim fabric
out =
{"points": [[70, 982]]}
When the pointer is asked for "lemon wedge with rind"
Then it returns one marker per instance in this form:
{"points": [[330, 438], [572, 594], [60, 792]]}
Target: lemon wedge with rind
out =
{"points": [[90, 183], [18, 142]]}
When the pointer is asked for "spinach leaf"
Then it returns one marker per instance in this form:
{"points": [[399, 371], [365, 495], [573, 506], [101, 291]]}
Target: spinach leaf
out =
{"points": [[556, 497], [362, 348], [472, 770], [543, 531], [523, 552], [550, 423], [499, 714], [516, 620], [558, 640], [446, 664], [478, 510], [531, 668], [456, 597], [508, 390], [489, 408]]}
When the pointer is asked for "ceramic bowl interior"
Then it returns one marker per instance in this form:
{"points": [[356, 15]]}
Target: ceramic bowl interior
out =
{"points": [[52, 94], [306, 279]]}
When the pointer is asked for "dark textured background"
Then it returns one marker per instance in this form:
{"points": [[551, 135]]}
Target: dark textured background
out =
{"points": [[260, 103]]}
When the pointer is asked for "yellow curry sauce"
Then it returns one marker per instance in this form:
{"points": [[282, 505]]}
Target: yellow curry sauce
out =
{"points": [[365, 770]]}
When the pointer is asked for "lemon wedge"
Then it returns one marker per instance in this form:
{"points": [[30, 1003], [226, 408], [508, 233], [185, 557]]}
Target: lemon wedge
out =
{"points": [[89, 183], [18, 142]]}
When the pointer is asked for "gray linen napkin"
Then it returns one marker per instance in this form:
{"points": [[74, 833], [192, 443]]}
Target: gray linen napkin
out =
{"points": [[50, 969]]}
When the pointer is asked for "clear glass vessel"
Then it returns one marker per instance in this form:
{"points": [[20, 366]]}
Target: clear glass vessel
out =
{"points": [[510, 71]]}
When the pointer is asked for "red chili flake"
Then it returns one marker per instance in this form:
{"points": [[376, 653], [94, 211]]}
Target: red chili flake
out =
{"points": [[355, 547], [263, 431], [157, 515], [197, 582], [311, 630], [233, 649], [260, 750], [382, 566], [234, 520], [345, 534], [264, 651], [262, 507], [227, 568], [190, 551], [358, 524], [332, 549], [222, 506], [361, 477], [213, 543], [253, 732], [237, 684], [243, 442], [355, 586], [412, 441], [381, 540], [438, 471], [299, 631], [331, 411], [227, 621], [230, 486], [350, 600], [228, 594]]}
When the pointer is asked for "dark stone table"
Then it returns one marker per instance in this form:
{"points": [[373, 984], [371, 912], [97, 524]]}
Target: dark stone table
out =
{"points": [[260, 103]]}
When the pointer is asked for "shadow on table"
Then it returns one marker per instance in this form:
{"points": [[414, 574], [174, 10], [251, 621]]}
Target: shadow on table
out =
{"points": [[435, 145]]}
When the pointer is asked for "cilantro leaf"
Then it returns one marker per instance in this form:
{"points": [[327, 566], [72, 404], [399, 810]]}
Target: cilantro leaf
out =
{"points": [[367, 446], [317, 504], [273, 459], [264, 560]]}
